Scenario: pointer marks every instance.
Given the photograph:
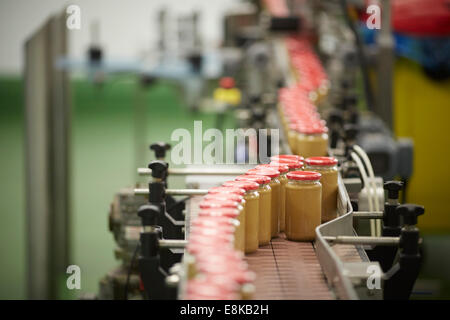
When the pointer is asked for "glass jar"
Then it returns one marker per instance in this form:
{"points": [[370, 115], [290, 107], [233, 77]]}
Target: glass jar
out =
{"points": [[327, 167], [265, 205], [311, 141], [201, 245], [292, 138], [303, 205], [283, 168], [275, 185], [239, 233], [251, 212], [223, 191]]}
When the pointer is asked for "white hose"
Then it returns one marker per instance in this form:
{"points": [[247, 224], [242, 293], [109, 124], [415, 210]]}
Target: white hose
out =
{"points": [[366, 184], [369, 167]]}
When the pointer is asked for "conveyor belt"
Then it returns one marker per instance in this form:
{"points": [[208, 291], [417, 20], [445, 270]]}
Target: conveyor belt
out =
{"points": [[288, 270], [284, 269]]}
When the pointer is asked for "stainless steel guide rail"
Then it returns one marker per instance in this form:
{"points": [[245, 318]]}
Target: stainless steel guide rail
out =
{"points": [[342, 276]]}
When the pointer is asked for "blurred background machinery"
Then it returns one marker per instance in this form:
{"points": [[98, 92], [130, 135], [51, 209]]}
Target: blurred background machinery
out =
{"points": [[133, 74]]}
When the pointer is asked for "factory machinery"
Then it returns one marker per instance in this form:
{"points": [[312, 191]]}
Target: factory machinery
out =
{"points": [[296, 68]]}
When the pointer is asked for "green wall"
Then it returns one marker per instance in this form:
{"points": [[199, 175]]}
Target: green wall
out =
{"points": [[103, 161]]}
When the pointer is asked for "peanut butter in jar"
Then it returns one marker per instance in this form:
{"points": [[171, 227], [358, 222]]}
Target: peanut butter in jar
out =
{"points": [[303, 205], [327, 167], [283, 169], [292, 133], [311, 141], [275, 185], [251, 212], [265, 205], [294, 163]]}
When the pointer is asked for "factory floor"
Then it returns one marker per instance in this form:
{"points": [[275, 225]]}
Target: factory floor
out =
{"points": [[103, 161]]}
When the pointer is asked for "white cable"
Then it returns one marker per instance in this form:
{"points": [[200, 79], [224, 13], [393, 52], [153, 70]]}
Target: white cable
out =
{"points": [[366, 185], [369, 167]]}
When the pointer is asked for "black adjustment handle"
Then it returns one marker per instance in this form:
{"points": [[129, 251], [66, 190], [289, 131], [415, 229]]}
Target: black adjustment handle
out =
{"points": [[410, 213], [335, 117], [254, 99], [149, 214], [159, 169], [160, 149], [393, 188], [350, 100], [350, 132]]}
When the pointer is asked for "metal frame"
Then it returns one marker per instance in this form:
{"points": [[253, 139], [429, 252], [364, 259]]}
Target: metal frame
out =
{"points": [[47, 127], [342, 276]]}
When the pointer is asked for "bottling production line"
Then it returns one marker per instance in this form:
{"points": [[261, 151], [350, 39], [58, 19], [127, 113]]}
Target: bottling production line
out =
{"points": [[290, 67]]}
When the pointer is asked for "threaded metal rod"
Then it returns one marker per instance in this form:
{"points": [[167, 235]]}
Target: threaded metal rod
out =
{"points": [[368, 214], [175, 192], [196, 171], [166, 243]]}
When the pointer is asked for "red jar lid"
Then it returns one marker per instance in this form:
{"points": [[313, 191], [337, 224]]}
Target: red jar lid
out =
{"points": [[246, 185], [212, 230], [304, 175], [291, 164], [321, 161], [223, 280], [229, 255], [243, 276], [260, 179], [234, 271], [219, 212], [224, 196], [219, 241], [282, 168], [233, 190], [199, 296], [221, 262], [312, 129], [198, 247], [201, 289], [286, 157], [217, 203], [267, 172], [212, 221], [220, 268]]}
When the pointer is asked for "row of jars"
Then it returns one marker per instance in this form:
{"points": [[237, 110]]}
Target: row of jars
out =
{"points": [[289, 194], [306, 132], [307, 68]]}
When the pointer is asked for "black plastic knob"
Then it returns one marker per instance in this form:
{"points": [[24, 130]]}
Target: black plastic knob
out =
{"points": [[353, 116], [254, 99], [149, 214], [159, 169], [350, 100], [393, 187], [410, 213], [160, 149], [350, 132], [335, 117]]}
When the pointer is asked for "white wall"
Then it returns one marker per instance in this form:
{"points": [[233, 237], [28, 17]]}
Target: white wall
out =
{"points": [[127, 27]]}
